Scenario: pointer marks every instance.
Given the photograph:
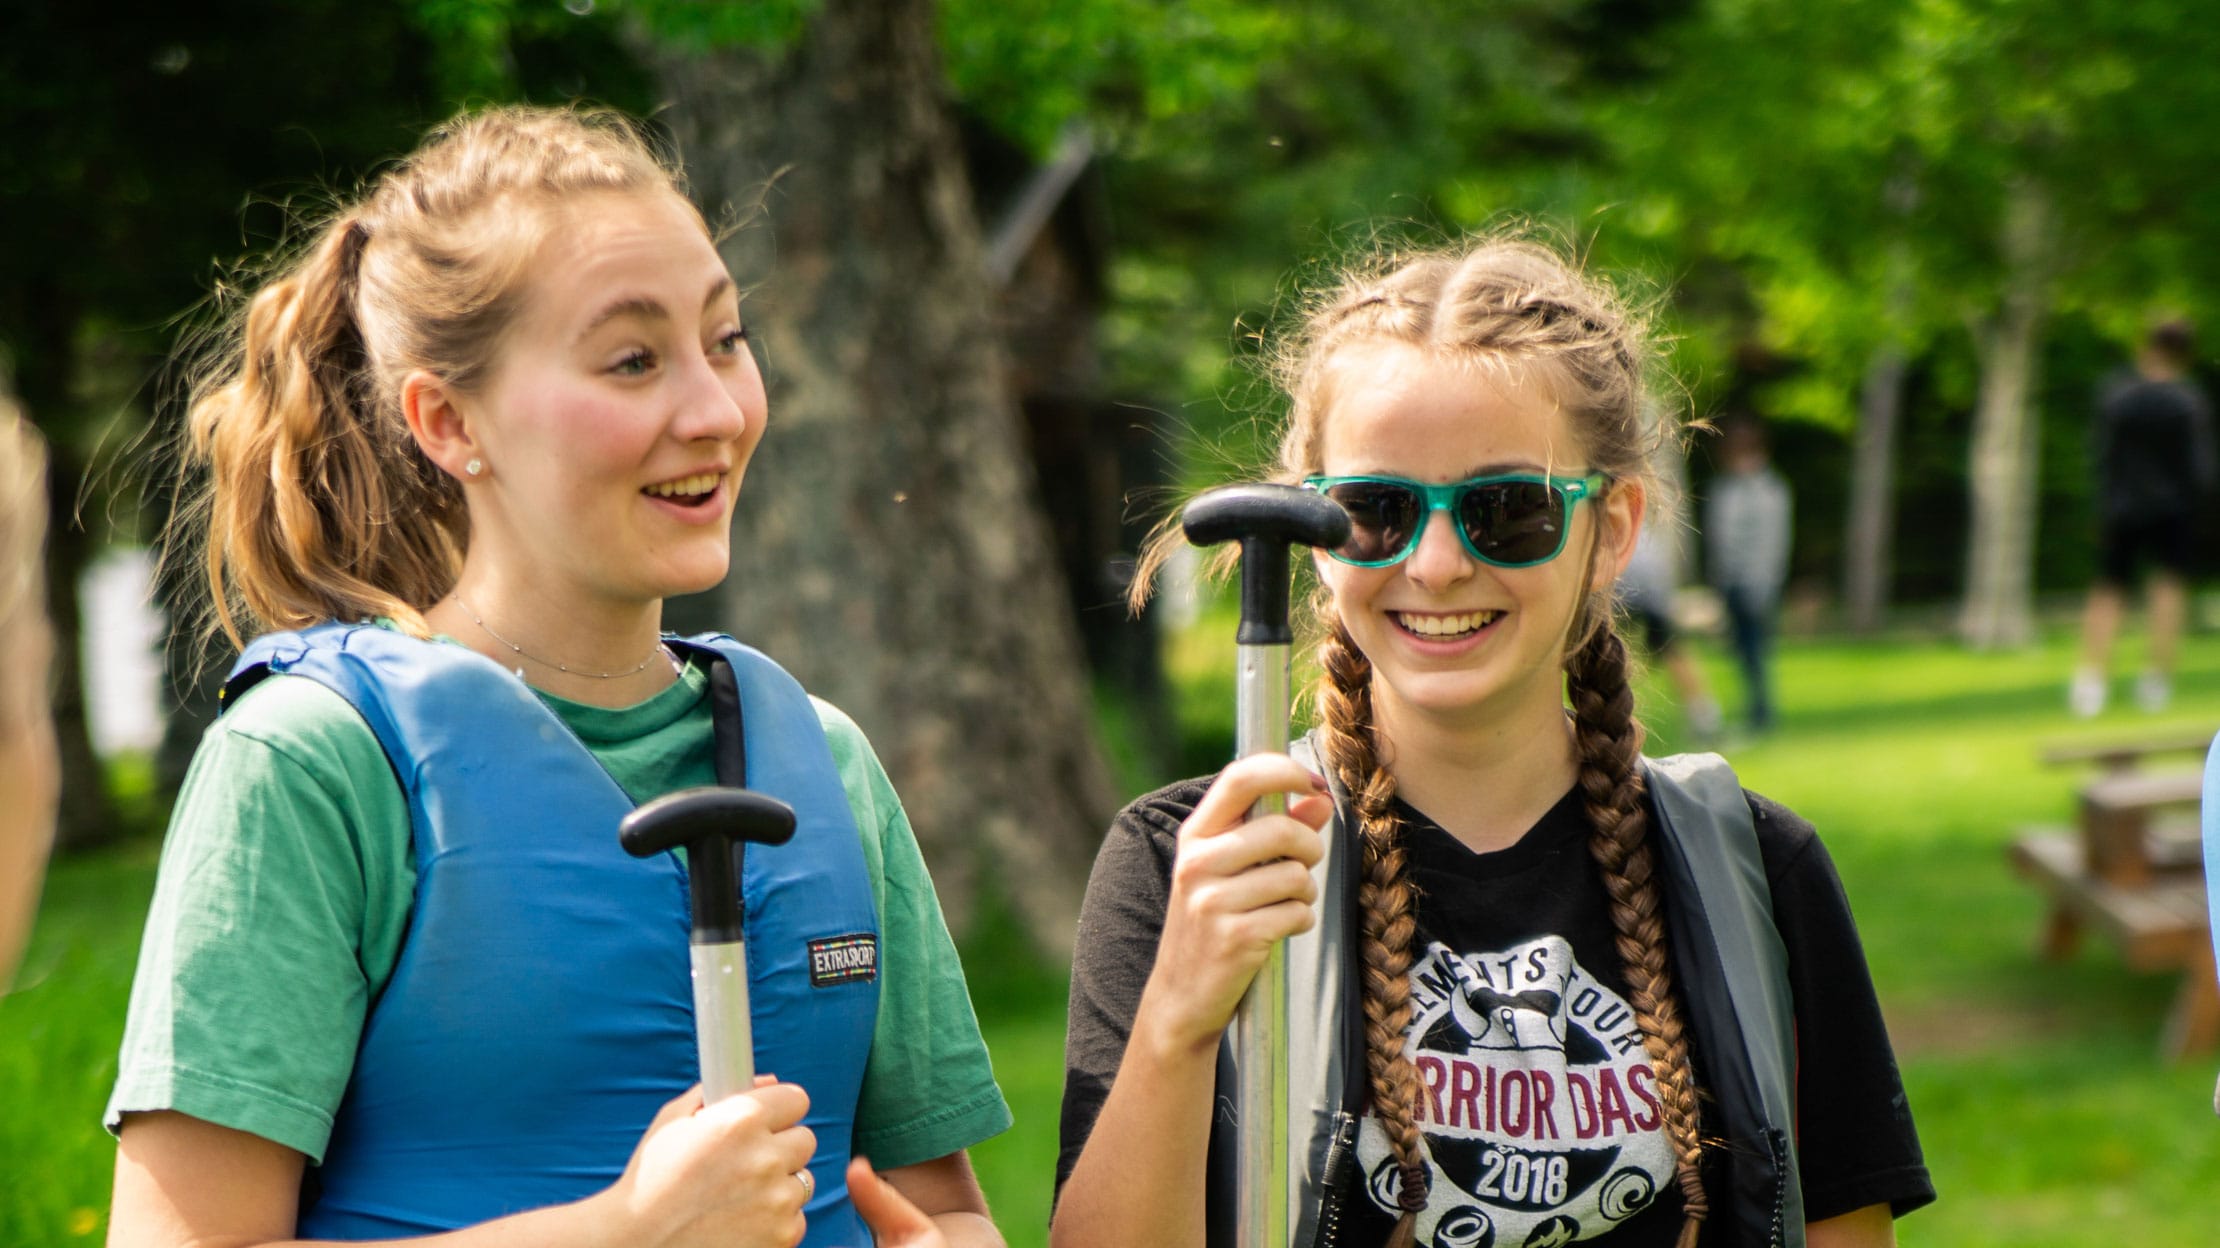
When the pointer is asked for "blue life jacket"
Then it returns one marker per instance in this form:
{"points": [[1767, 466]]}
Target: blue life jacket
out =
{"points": [[541, 1011], [2209, 814]]}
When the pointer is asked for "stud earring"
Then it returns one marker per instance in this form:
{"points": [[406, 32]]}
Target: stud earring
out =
{"points": [[475, 467]]}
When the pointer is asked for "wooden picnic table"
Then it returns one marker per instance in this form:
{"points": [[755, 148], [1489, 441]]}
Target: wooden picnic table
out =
{"points": [[2131, 869], [2127, 752]]}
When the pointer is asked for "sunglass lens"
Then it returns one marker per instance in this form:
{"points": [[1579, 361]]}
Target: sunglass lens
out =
{"points": [[1513, 521], [1382, 518]]}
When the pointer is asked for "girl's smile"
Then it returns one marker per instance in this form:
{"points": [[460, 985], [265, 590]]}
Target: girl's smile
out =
{"points": [[697, 498], [1445, 631]]}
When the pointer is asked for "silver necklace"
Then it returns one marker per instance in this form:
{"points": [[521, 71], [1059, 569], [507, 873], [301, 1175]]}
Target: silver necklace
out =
{"points": [[660, 651]]}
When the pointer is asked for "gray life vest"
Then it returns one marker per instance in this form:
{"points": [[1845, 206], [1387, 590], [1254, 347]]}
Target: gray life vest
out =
{"points": [[1729, 964]]}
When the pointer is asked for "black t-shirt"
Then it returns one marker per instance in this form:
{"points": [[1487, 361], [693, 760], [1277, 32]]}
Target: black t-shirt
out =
{"points": [[2153, 448], [1537, 1099]]}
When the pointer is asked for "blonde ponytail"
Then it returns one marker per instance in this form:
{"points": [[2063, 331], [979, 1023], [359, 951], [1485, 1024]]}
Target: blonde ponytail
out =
{"points": [[319, 509]]}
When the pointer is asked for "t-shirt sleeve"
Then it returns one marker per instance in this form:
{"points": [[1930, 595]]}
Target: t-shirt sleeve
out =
{"points": [[1856, 1145], [1120, 923], [274, 921], [928, 1087]]}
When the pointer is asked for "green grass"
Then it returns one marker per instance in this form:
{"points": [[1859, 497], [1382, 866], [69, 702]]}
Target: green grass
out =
{"points": [[2047, 1117], [59, 1032], [2041, 1101]]}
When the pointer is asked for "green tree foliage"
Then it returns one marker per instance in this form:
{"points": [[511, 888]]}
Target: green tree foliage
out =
{"points": [[138, 131], [154, 148], [1830, 180], [144, 143], [1246, 140]]}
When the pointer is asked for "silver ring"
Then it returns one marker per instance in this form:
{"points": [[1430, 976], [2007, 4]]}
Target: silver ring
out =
{"points": [[809, 1184]]}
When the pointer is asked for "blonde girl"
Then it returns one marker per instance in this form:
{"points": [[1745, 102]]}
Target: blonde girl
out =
{"points": [[399, 980], [1592, 997]]}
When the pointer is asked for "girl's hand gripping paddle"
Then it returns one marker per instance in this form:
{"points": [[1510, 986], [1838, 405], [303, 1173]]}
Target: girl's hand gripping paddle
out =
{"points": [[1265, 519], [713, 822]]}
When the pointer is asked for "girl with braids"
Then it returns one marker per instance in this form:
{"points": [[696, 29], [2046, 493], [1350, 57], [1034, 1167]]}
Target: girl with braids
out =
{"points": [[400, 980], [1558, 992]]}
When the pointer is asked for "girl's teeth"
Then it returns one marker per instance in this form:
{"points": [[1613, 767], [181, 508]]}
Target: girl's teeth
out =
{"points": [[686, 487], [1446, 625]]}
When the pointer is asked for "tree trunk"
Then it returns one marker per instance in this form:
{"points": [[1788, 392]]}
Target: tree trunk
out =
{"points": [[2000, 559], [1870, 530], [1871, 527], [889, 546]]}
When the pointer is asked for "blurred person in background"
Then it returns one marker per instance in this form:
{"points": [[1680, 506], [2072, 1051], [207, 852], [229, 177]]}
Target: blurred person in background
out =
{"points": [[1747, 519], [30, 769], [1646, 592], [2152, 449]]}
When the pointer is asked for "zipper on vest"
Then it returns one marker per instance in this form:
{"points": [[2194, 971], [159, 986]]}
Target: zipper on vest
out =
{"points": [[1339, 1149], [1776, 1140]]}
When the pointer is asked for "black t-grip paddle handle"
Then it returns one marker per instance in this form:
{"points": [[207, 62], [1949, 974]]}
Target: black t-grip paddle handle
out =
{"points": [[1265, 519], [708, 821]]}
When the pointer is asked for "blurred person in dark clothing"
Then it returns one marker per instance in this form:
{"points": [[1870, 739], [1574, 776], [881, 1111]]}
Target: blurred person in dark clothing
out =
{"points": [[2153, 451]]}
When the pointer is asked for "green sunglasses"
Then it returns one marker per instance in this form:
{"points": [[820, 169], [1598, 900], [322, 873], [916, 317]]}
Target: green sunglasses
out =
{"points": [[1512, 521]]}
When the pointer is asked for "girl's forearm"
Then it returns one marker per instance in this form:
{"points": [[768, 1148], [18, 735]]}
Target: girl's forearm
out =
{"points": [[1870, 1227], [1140, 1178], [969, 1230]]}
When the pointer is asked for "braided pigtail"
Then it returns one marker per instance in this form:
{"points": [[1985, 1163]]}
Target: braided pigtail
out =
{"points": [[1386, 898], [1610, 742]]}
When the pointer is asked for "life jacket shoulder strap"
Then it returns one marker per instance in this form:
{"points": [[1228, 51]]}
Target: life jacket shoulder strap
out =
{"points": [[1733, 968]]}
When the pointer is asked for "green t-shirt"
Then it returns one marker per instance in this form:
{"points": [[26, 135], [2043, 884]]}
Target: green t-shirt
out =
{"points": [[284, 895]]}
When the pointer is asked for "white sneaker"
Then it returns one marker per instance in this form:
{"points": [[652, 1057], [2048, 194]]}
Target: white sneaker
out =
{"points": [[2152, 692], [2086, 695]]}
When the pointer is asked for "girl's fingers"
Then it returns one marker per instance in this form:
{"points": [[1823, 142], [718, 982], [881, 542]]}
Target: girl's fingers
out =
{"points": [[795, 1145], [1280, 921], [1257, 888], [774, 1106], [894, 1221], [1253, 844], [1227, 802], [1312, 811]]}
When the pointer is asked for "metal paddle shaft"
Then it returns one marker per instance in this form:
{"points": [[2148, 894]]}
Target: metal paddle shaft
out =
{"points": [[1265, 519], [709, 822]]}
